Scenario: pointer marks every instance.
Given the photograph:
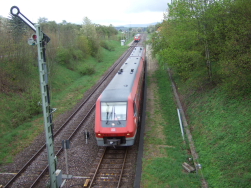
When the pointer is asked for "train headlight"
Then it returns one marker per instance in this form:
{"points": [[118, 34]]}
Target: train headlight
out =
{"points": [[99, 134], [128, 134]]}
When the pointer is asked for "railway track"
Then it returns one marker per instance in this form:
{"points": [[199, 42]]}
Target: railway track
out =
{"points": [[113, 168], [36, 168]]}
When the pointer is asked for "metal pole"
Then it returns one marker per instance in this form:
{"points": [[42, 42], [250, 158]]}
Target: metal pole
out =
{"points": [[181, 126], [66, 159], [43, 74]]}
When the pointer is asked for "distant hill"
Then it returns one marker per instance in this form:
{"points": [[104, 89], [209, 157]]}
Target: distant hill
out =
{"points": [[124, 27]]}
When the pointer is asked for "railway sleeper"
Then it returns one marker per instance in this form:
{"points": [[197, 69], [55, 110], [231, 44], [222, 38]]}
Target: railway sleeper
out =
{"points": [[112, 156], [115, 151], [106, 181], [107, 178], [98, 186], [113, 174], [109, 171], [112, 161], [111, 166]]}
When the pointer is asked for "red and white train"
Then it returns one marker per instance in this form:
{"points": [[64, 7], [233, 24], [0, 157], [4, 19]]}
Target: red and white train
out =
{"points": [[118, 108], [137, 38]]}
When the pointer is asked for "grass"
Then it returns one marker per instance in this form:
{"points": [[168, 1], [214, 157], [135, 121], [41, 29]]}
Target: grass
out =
{"points": [[221, 130], [164, 148], [67, 87], [13, 141], [220, 125]]}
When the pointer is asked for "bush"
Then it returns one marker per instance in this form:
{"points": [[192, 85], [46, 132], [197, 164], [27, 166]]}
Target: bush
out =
{"points": [[69, 56], [99, 55], [25, 106], [94, 46], [87, 70], [32, 98], [107, 46], [77, 54], [63, 56], [82, 44]]}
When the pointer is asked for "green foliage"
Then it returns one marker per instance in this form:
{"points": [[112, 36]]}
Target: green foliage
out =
{"points": [[218, 108], [107, 45], [152, 28], [86, 69], [18, 108], [99, 56], [164, 169], [94, 47], [17, 28], [224, 146], [229, 38], [105, 31], [69, 57], [82, 44], [77, 54], [63, 56], [88, 29], [42, 20], [212, 36], [33, 98], [185, 62]]}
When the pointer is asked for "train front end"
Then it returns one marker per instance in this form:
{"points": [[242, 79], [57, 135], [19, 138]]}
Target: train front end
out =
{"points": [[137, 38], [113, 125]]}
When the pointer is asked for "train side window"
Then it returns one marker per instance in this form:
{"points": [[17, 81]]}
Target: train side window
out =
{"points": [[135, 109]]}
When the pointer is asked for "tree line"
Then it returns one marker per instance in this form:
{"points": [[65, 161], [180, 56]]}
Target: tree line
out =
{"points": [[69, 43], [208, 41], [70, 47]]}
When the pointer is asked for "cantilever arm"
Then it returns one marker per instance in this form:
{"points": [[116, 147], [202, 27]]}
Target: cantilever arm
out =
{"points": [[16, 12]]}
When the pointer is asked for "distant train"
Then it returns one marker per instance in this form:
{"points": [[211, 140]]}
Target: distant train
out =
{"points": [[118, 108], [137, 38]]}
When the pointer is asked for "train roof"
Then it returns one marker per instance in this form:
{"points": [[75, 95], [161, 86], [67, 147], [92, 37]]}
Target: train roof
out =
{"points": [[121, 85], [137, 52]]}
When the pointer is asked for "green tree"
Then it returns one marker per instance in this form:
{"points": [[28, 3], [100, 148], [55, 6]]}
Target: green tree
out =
{"points": [[210, 39], [88, 29], [42, 20]]}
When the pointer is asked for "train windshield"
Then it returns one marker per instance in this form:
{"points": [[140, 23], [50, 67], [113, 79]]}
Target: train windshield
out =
{"points": [[113, 111]]}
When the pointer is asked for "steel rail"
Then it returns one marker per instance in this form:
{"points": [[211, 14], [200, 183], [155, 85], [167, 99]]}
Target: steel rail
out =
{"points": [[100, 162], [61, 149], [122, 170], [94, 176]]}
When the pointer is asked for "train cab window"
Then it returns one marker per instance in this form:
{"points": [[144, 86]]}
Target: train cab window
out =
{"points": [[113, 111]]}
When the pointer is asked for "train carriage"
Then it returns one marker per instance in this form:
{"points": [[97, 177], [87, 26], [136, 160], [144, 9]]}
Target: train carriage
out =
{"points": [[137, 38], [118, 107]]}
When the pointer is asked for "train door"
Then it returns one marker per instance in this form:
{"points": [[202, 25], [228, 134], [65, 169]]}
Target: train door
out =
{"points": [[135, 109]]}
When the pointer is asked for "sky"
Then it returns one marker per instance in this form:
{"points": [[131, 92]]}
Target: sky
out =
{"points": [[103, 12]]}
